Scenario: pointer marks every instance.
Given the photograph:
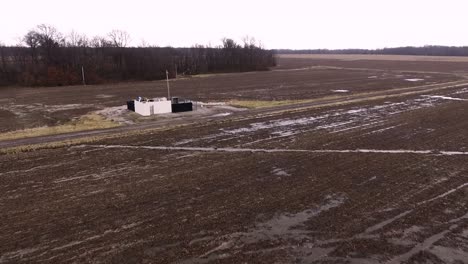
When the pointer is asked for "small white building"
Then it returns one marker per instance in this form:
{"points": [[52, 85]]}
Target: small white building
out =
{"points": [[152, 106]]}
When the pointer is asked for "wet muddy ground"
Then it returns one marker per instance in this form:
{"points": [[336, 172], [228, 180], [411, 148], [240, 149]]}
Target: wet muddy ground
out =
{"points": [[383, 181]]}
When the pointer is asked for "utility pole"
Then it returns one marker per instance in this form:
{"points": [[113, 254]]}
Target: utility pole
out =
{"points": [[82, 75], [168, 89]]}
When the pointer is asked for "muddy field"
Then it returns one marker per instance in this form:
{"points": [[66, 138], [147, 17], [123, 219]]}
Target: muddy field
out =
{"points": [[293, 79], [381, 181], [441, 64]]}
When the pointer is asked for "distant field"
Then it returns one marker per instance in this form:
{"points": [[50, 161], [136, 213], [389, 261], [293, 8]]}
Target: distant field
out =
{"points": [[456, 65], [375, 57]]}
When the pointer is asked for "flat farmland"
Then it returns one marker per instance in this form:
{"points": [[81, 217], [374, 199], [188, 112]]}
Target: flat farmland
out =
{"points": [[23, 107], [457, 65], [373, 176]]}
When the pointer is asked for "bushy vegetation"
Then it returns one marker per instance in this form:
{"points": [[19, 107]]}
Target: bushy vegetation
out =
{"points": [[46, 57]]}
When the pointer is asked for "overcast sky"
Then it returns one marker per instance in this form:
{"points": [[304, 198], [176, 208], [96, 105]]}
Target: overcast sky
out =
{"points": [[295, 24]]}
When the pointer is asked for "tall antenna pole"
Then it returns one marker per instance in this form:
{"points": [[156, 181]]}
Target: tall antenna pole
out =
{"points": [[82, 75], [168, 89]]}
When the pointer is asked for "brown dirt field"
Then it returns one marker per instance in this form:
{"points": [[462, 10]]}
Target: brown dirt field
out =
{"points": [[353, 57], [370, 182], [457, 65], [46, 106]]}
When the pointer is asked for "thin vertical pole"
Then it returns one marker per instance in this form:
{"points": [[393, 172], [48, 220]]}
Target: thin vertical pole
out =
{"points": [[168, 89], [82, 75]]}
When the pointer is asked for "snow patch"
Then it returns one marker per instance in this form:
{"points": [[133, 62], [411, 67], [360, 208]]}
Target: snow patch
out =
{"points": [[285, 133], [414, 80], [103, 96], [202, 104], [445, 97], [340, 91], [354, 111], [221, 114], [462, 91], [383, 129], [369, 180], [279, 172]]}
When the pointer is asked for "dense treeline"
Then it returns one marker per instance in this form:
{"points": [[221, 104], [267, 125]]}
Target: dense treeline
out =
{"points": [[422, 51], [45, 57]]}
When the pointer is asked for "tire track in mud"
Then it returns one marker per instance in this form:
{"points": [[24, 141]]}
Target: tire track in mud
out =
{"points": [[428, 242], [283, 227], [405, 213], [287, 228]]}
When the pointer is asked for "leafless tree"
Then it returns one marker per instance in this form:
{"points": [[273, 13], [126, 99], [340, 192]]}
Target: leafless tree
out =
{"points": [[249, 42], [75, 39], [229, 43], [2, 56], [144, 44], [119, 38], [45, 39], [100, 42], [49, 36], [32, 39]]}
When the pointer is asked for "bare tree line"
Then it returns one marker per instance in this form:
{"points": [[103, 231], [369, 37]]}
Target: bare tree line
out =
{"points": [[46, 57]]}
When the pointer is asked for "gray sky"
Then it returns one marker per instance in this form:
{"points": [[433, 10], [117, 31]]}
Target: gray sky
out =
{"points": [[292, 24]]}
